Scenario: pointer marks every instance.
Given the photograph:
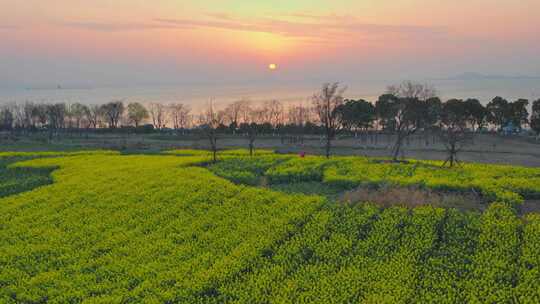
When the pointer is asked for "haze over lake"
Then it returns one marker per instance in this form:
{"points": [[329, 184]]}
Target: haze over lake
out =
{"points": [[199, 94]]}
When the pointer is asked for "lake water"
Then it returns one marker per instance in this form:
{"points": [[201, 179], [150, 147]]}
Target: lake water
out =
{"points": [[198, 95]]}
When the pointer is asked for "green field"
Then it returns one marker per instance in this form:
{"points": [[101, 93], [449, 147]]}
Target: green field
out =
{"points": [[101, 227]]}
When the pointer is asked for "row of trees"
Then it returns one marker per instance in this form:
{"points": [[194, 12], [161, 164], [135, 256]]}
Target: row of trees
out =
{"points": [[352, 115], [499, 113], [409, 107], [34, 116], [402, 110]]}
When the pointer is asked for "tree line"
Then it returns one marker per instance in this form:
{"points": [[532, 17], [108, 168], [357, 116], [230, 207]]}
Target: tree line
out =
{"points": [[111, 115], [402, 110]]}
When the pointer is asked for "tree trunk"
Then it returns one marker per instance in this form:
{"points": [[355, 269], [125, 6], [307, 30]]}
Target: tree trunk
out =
{"points": [[397, 147], [452, 154], [251, 140], [214, 151], [213, 146], [328, 146]]}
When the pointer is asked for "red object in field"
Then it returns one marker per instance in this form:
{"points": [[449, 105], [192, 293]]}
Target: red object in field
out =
{"points": [[302, 154]]}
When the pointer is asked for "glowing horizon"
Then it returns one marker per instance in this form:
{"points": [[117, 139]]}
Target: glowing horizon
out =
{"points": [[60, 40]]}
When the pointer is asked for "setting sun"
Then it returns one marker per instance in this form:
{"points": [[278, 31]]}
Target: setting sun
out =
{"points": [[395, 142]]}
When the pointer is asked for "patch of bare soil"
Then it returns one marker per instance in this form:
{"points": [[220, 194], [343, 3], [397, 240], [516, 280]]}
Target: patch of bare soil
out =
{"points": [[530, 206], [387, 196]]}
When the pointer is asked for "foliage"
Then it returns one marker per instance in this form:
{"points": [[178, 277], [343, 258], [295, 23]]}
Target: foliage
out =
{"points": [[222, 153], [509, 184], [495, 182], [529, 263], [135, 228], [476, 113], [495, 261], [405, 109], [356, 114], [535, 117], [163, 229], [454, 133], [246, 170], [16, 180], [297, 170]]}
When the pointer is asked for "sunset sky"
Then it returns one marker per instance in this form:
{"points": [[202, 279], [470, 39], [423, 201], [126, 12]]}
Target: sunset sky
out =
{"points": [[101, 42]]}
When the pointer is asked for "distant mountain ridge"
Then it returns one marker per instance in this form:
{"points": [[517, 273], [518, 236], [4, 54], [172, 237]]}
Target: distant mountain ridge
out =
{"points": [[476, 76]]}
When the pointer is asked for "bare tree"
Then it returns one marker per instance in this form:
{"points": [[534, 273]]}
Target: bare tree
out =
{"points": [[68, 120], [246, 112], [257, 114], [210, 120], [56, 117], [409, 89], [158, 114], [251, 128], [325, 104], [39, 115], [273, 111], [298, 116], [19, 116], [28, 114], [233, 112], [79, 113], [94, 115], [180, 115], [113, 112], [6, 118]]}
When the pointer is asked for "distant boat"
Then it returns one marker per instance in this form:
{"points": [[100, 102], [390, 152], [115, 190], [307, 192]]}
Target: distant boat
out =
{"points": [[59, 87]]}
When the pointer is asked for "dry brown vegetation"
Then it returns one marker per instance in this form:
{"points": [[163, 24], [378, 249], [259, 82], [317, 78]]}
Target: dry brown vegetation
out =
{"points": [[389, 195]]}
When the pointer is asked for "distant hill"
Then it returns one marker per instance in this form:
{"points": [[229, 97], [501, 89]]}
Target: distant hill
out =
{"points": [[477, 76]]}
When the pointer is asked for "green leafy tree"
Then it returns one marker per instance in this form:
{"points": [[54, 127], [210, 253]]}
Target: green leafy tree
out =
{"points": [[519, 115], [356, 114], [385, 110], [535, 117], [431, 112], [498, 111], [415, 108], [454, 117], [409, 118], [476, 112]]}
